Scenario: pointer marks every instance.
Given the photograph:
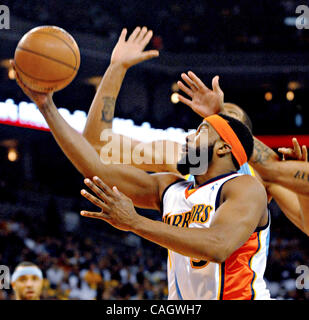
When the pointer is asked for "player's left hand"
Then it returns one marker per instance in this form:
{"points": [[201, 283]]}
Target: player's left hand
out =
{"points": [[116, 208], [295, 153]]}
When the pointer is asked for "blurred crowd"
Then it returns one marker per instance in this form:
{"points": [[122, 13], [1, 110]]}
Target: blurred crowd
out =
{"points": [[179, 25], [80, 267], [84, 265]]}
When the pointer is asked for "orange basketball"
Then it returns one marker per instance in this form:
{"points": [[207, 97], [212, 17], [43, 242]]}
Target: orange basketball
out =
{"points": [[47, 59]]}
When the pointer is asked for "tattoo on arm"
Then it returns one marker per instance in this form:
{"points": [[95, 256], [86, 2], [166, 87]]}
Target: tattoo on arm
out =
{"points": [[261, 153], [302, 175], [108, 109]]}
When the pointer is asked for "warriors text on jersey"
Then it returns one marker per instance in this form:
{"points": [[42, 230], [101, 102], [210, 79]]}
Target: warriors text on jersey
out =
{"points": [[240, 277]]}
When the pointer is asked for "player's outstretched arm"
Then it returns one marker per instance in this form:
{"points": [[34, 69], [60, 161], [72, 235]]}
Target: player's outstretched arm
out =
{"points": [[126, 54], [215, 244], [144, 189], [291, 174]]}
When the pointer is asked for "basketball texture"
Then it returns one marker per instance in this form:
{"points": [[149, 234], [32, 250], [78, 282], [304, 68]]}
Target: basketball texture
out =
{"points": [[47, 58]]}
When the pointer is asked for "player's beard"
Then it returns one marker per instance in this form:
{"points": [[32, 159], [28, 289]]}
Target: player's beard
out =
{"points": [[185, 166]]}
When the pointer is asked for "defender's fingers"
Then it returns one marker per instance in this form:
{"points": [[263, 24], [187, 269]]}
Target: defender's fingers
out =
{"points": [[134, 34], [146, 38], [197, 81], [122, 37], [92, 214], [97, 202], [189, 82], [107, 190], [286, 151], [97, 190], [305, 153], [115, 189], [141, 35], [185, 101], [185, 89], [297, 148], [216, 86], [147, 55]]}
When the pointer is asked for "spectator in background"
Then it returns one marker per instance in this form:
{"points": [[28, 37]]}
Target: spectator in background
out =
{"points": [[55, 275], [93, 277]]}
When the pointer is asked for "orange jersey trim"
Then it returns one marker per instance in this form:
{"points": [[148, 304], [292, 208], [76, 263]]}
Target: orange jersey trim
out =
{"points": [[236, 276]]}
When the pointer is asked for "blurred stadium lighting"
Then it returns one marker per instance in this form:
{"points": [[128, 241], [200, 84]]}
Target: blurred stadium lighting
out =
{"points": [[268, 96], [174, 98], [175, 87], [11, 74], [95, 81], [294, 85], [290, 95], [12, 155]]}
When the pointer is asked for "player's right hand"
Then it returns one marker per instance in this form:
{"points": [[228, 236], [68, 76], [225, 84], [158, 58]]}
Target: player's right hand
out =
{"points": [[131, 52], [39, 98], [204, 101], [295, 153]]}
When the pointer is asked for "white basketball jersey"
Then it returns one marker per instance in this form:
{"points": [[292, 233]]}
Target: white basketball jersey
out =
{"points": [[240, 277]]}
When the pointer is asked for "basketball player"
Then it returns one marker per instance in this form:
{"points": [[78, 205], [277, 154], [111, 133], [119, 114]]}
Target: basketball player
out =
{"points": [[231, 266], [27, 281], [216, 256], [204, 102], [288, 193]]}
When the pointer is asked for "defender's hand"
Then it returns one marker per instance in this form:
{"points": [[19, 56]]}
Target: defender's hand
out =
{"points": [[39, 98], [204, 101], [116, 208], [295, 153], [131, 52]]}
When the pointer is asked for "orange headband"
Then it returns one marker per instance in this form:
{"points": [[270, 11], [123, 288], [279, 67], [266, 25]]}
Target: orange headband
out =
{"points": [[228, 135]]}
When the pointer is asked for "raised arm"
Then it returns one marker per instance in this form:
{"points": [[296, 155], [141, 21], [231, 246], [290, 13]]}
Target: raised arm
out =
{"points": [[126, 54], [215, 244], [144, 189], [158, 156]]}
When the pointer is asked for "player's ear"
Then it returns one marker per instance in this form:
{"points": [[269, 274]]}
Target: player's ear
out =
{"points": [[223, 149]]}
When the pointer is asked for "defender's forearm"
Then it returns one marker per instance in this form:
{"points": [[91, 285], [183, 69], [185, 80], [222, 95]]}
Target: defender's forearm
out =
{"points": [[290, 174], [262, 157], [102, 109]]}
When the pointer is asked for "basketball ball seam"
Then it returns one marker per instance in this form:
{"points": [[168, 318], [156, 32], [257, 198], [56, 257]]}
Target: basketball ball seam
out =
{"points": [[47, 57], [53, 35], [44, 80]]}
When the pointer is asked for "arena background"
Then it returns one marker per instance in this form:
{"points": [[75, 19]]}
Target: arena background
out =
{"points": [[263, 63]]}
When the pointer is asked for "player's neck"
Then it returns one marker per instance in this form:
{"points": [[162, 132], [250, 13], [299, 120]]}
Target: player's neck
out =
{"points": [[215, 169]]}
